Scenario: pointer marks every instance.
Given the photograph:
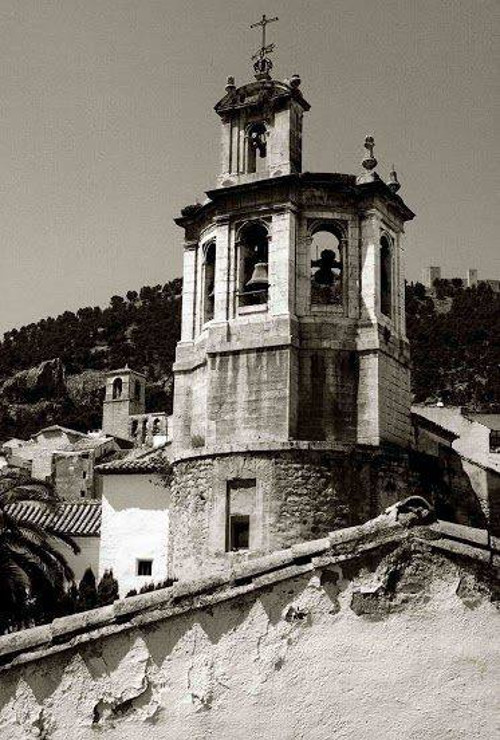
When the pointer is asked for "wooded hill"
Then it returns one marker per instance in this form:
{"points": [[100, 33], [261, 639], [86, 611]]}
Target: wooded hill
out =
{"points": [[52, 371]]}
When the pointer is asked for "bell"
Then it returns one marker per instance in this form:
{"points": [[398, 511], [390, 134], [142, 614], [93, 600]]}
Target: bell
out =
{"points": [[259, 280]]}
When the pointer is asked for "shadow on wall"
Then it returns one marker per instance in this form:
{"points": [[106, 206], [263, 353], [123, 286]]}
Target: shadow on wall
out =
{"points": [[448, 487]]}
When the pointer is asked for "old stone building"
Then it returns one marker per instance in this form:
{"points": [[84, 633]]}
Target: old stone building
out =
{"points": [[292, 397], [124, 410]]}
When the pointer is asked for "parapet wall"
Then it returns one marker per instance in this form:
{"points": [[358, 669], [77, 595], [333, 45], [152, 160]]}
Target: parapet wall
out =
{"points": [[381, 631]]}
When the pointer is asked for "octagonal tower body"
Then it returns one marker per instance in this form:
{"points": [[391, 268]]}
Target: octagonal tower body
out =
{"points": [[292, 397]]}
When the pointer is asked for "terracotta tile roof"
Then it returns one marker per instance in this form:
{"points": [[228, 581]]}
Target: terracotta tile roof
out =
{"points": [[152, 461], [73, 518]]}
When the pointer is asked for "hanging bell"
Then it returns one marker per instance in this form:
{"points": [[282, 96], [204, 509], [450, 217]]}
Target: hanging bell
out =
{"points": [[259, 280]]}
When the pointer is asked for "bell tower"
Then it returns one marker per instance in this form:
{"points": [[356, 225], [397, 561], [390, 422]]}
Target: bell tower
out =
{"points": [[261, 123], [292, 397]]}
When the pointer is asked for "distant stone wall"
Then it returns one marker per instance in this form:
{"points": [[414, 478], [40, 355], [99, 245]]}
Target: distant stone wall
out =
{"points": [[300, 495], [74, 475], [397, 641]]}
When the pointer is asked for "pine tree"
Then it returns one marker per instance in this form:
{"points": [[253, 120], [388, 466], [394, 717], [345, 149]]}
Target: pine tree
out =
{"points": [[107, 590], [87, 592]]}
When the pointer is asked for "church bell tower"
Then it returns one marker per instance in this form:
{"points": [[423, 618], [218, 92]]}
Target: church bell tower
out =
{"points": [[292, 396]]}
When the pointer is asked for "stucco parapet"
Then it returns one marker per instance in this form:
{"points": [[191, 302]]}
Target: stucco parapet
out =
{"points": [[460, 548], [24, 640], [270, 562], [306, 549], [461, 532], [406, 520]]}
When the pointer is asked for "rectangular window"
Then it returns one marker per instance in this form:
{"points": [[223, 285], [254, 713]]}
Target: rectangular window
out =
{"points": [[240, 509], [495, 440], [240, 531], [144, 567]]}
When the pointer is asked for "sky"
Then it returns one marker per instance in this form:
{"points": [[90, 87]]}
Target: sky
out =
{"points": [[107, 128]]}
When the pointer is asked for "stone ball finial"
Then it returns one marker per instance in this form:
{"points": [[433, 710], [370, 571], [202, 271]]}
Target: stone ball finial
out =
{"points": [[369, 163], [295, 81], [230, 86], [393, 182]]}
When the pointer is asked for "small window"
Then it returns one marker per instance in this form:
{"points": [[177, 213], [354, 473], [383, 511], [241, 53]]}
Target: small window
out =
{"points": [[156, 427], [239, 532], [134, 427], [495, 440], [240, 507], [84, 475], [82, 494], [144, 567], [144, 429]]}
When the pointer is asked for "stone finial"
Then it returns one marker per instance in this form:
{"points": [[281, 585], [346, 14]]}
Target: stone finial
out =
{"points": [[393, 182], [230, 86], [369, 163], [295, 81], [262, 68]]}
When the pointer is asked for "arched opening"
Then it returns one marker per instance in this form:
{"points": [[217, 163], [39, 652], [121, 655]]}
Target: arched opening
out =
{"points": [[156, 427], [144, 430], [134, 428], [326, 269], [117, 388], [209, 283], [385, 277], [256, 147], [253, 265]]}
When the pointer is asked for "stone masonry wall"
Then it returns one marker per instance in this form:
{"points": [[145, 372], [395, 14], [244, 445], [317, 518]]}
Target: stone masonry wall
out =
{"points": [[394, 401], [300, 495]]}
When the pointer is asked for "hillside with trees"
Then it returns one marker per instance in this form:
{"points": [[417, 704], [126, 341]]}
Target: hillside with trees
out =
{"points": [[454, 335], [52, 371]]}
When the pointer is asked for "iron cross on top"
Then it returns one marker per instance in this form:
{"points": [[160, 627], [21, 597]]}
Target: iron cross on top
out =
{"points": [[263, 23]]}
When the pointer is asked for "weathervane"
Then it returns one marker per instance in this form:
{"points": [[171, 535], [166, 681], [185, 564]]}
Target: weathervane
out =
{"points": [[262, 64]]}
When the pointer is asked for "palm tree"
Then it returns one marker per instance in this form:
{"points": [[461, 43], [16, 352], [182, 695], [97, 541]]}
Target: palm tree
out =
{"points": [[33, 573]]}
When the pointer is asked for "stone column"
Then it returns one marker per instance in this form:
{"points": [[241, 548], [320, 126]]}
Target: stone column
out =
{"points": [[370, 262], [282, 263], [222, 270]]}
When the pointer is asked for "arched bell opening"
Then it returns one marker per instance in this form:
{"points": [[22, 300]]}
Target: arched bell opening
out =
{"points": [[256, 139], [117, 388], [385, 276], [137, 390], [209, 282], [253, 265], [326, 268]]}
